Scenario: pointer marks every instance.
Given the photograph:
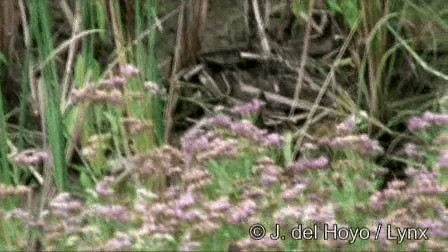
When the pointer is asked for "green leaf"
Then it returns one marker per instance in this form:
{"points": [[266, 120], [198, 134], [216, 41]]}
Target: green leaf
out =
{"points": [[347, 8], [334, 6], [86, 181], [3, 59]]}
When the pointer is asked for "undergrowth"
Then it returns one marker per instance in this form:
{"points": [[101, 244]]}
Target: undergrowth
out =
{"points": [[84, 164], [229, 177]]}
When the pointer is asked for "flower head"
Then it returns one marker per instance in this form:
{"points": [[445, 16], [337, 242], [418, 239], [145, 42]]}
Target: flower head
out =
{"points": [[348, 126], [249, 108], [129, 71], [443, 160], [311, 164], [412, 151]]}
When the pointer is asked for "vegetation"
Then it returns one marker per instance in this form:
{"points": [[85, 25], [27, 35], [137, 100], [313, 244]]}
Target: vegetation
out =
{"points": [[106, 146]]}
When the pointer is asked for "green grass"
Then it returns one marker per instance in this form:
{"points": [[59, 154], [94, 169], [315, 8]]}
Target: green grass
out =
{"points": [[389, 35], [6, 173], [54, 127]]}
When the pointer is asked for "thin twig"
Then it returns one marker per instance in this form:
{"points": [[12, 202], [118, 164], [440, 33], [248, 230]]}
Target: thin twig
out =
{"points": [[27, 40], [303, 59], [25, 26], [174, 82], [416, 57], [267, 12], [260, 27], [118, 36], [48, 165], [71, 56], [324, 87], [62, 47], [68, 13]]}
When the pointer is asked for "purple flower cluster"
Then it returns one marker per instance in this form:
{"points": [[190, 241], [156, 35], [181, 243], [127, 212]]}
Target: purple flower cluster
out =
{"points": [[195, 141], [219, 148], [129, 71], [361, 143], [110, 91], [249, 108], [293, 193], [119, 243], [186, 200], [24, 216], [424, 211], [394, 192], [423, 184], [348, 126], [411, 150], [221, 121], [443, 160], [241, 212], [193, 203], [288, 215], [113, 212], [68, 211], [268, 171], [437, 227], [104, 187], [65, 205], [134, 126], [247, 130], [319, 213], [311, 164], [428, 119], [179, 208], [165, 161], [196, 178], [204, 146], [31, 157], [114, 82], [218, 206], [427, 183]]}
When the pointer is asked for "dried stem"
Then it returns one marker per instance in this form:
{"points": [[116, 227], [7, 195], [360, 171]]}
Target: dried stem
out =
{"points": [[260, 28], [174, 83], [324, 87], [71, 56], [303, 58], [190, 29]]}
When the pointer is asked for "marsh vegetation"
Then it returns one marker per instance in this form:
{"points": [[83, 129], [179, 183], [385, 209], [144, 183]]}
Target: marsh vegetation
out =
{"points": [[196, 125]]}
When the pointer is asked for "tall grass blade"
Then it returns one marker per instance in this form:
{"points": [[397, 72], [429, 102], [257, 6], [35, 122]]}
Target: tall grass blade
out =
{"points": [[41, 30], [5, 169]]}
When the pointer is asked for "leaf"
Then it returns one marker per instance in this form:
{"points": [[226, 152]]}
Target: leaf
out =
{"points": [[86, 181], [3, 59], [347, 8], [334, 6]]}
